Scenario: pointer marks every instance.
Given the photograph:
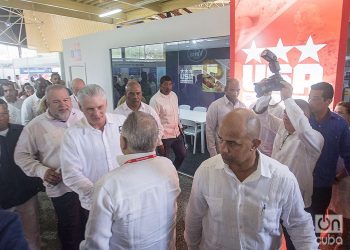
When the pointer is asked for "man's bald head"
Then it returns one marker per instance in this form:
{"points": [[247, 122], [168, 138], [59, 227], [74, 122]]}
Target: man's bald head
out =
{"points": [[133, 94], [77, 84], [243, 121], [232, 89], [131, 83], [239, 140]]}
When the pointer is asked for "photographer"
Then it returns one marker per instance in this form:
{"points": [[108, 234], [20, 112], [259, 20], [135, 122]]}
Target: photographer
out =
{"points": [[297, 144]]}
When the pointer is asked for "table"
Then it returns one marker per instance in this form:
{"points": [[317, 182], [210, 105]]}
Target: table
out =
{"points": [[199, 118]]}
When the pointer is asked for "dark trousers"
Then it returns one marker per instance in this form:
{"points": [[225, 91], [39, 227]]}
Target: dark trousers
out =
{"points": [[178, 146], [321, 197], [71, 220]]}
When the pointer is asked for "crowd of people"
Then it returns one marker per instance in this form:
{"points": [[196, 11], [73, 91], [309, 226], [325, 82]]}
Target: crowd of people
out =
{"points": [[274, 167]]}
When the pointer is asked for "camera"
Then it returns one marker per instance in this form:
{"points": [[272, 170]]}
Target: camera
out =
{"points": [[273, 83]]}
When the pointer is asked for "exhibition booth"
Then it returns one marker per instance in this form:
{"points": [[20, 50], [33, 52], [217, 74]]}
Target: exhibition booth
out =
{"points": [[309, 39]]}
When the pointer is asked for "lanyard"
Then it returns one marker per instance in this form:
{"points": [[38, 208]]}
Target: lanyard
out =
{"points": [[140, 159]]}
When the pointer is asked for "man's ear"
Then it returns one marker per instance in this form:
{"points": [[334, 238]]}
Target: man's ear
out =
{"points": [[123, 143], [256, 143], [329, 101]]}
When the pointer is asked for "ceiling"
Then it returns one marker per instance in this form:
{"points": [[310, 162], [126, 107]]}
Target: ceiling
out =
{"points": [[44, 24], [132, 10]]}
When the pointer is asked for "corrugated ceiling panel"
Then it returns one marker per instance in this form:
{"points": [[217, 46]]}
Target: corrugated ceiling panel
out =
{"points": [[45, 32]]}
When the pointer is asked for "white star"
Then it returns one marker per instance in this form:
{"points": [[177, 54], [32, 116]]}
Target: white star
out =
{"points": [[310, 50], [253, 53], [281, 51]]}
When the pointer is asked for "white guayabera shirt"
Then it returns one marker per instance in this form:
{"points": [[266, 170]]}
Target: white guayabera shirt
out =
{"points": [[224, 213]]}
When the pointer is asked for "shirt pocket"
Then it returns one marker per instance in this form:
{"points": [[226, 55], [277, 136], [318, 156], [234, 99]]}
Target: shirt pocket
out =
{"points": [[269, 221], [215, 208]]}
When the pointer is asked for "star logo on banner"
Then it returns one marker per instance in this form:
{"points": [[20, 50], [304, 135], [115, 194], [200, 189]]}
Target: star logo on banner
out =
{"points": [[281, 51], [310, 50], [253, 53]]}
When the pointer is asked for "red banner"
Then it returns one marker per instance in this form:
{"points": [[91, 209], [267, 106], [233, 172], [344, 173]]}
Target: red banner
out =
{"points": [[309, 38]]}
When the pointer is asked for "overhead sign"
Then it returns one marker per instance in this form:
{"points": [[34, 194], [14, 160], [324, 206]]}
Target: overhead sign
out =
{"points": [[306, 35], [35, 70]]}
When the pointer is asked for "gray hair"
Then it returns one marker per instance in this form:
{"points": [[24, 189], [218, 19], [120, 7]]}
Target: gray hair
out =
{"points": [[141, 132], [91, 90], [55, 87], [76, 81], [132, 82]]}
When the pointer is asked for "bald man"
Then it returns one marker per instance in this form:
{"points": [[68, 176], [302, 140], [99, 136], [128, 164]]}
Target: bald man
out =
{"points": [[133, 102], [77, 84], [216, 112], [239, 196]]}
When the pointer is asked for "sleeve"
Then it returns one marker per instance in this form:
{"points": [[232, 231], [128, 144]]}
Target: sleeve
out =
{"points": [[72, 170], [267, 120], [296, 220], [345, 148], [26, 113], [310, 137], [25, 156], [99, 226], [210, 129], [160, 126], [196, 210], [154, 105]]}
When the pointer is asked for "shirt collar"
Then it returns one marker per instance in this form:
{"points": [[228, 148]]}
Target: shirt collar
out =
{"points": [[121, 159], [261, 170], [164, 96], [228, 102], [127, 109]]}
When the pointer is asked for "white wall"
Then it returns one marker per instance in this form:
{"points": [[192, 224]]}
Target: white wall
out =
{"points": [[95, 48]]}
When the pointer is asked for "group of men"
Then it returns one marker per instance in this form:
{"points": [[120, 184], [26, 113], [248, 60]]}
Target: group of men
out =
{"points": [[101, 169]]}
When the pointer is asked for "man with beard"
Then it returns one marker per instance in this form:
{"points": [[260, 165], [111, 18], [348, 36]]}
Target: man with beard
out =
{"points": [[37, 153]]}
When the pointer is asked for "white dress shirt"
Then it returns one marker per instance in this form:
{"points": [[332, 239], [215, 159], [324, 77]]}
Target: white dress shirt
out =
{"points": [[15, 111], [38, 148], [125, 111], [215, 114], [299, 150], [267, 136], [75, 102], [134, 206], [30, 109], [224, 213], [88, 153], [166, 106]]}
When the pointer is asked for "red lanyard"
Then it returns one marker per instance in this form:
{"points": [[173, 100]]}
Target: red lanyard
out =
{"points": [[140, 159]]}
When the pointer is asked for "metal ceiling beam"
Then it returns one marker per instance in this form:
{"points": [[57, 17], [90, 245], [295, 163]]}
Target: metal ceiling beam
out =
{"points": [[62, 8], [164, 7]]}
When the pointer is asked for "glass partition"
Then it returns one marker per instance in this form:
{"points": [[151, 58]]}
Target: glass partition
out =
{"points": [[198, 68]]}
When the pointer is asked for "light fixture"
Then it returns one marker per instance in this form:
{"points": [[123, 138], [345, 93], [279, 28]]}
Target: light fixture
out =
{"points": [[110, 13]]}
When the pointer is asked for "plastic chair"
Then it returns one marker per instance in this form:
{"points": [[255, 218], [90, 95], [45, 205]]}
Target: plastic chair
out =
{"points": [[185, 107], [192, 129], [200, 109]]}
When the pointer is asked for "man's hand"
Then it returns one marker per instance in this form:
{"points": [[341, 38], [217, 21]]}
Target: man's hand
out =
{"points": [[286, 91], [52, 177], [161, 150]]}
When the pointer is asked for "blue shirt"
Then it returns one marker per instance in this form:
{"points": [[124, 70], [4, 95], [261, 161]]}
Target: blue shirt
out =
{"points": [[336, 133]]}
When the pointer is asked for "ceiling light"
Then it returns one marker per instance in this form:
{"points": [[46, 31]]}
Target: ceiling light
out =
{"points": [[110, 13]]}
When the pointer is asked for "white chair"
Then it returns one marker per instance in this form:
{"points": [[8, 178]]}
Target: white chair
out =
{"points": [[200, 109], [185, 107], [192, 129]]}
